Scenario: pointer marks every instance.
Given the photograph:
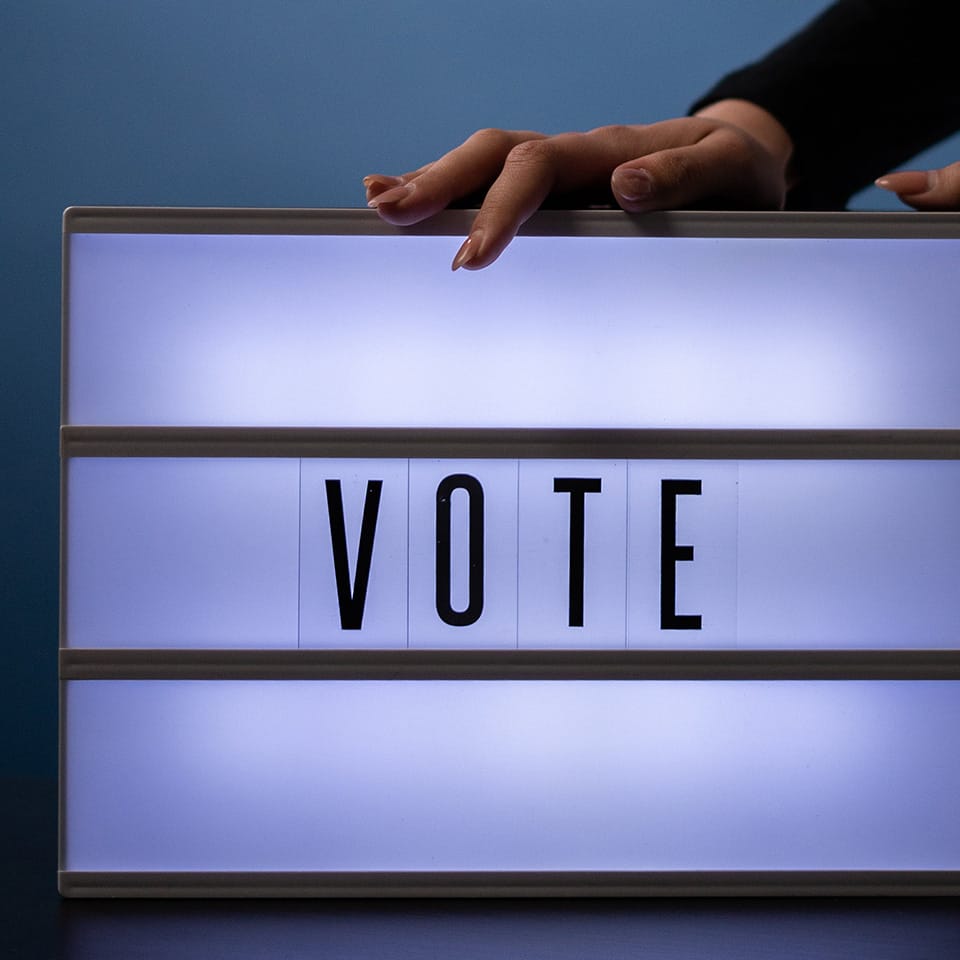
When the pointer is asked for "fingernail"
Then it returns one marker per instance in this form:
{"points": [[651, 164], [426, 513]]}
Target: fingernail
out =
{"points": [[393, 195], [908, 183], [468, 250], [633, 184], [381, 178]]}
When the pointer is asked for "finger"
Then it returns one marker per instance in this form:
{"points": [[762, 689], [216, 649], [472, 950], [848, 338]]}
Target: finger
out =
{"points": [[926, 189], [722, 167], [462, 171], [376, 184], [682, 162], [525, 180], [533, 170]]}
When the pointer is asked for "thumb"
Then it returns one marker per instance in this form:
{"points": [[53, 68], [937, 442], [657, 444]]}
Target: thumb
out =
{"points": [[723, 168], [926, 189], [663, 180]]}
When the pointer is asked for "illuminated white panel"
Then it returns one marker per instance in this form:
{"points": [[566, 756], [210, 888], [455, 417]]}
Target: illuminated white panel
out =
{"points": [[500, 775], [701, 557], [182, 553], [565, 332], [854, 554], [572, 554], [478, 606], [788, 554], [364, 604]]}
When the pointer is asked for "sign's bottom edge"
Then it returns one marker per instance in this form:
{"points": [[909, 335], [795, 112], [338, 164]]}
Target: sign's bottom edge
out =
{"points": [[477, 884]]}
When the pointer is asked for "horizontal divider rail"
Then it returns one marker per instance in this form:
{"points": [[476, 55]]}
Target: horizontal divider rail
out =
{"points": [[512, 443], [180, 664]]}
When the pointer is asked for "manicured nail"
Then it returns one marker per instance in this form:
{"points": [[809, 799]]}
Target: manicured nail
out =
{"points": [[908, 183], [468, 250], [383, 178], [393, 195], [633, 184]]}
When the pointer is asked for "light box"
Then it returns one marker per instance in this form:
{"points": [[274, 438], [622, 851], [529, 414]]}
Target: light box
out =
{"points": [[624, 566]]}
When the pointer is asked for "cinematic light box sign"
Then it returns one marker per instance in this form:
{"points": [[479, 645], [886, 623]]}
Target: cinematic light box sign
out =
{"points": [[627, 565]]}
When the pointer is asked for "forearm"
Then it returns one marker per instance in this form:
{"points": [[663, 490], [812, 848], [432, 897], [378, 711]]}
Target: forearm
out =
{"points": [[865, 86]]}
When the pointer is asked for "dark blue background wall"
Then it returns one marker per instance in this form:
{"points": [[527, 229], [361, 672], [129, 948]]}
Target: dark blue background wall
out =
{"points": [[269, 103]]}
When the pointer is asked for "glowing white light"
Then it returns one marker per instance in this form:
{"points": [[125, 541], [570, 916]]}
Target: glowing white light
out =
{"points": [[565, 332], [182, 553], [790, 554], [500, 775]]}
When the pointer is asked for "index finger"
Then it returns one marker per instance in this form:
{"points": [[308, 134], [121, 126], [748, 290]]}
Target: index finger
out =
{"points": [[533, 170]]}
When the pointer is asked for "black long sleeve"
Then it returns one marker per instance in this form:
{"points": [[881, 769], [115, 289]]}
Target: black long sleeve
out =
{"points": [[864, 87]]}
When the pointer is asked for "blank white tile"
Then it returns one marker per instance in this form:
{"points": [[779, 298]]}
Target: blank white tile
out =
{"points": [[182, 553], [850, 554]]}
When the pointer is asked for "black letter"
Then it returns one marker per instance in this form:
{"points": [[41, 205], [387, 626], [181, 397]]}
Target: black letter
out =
{"points": [[576, 488], [352, 600], [671, 554], [460, 618]]}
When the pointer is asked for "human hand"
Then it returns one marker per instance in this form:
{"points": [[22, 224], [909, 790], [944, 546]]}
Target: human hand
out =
{"points": [[732, 154], [926, 189]]}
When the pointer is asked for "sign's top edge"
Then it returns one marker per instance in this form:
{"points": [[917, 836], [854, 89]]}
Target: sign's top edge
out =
{"points": [[547, 223]]}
